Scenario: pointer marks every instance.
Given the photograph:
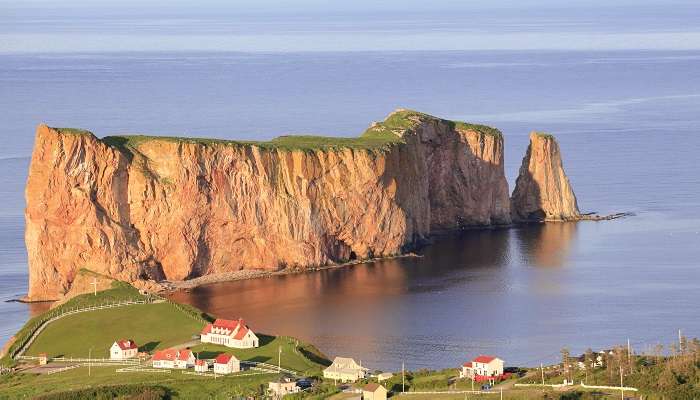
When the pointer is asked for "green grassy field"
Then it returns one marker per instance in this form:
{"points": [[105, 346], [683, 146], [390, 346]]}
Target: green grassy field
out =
{"points": [[517, 394], [120, 292], [183, 386], [296, 355], [152, 326]]}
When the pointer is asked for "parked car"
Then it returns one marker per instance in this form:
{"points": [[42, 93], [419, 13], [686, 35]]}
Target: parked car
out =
{"points": [[304, 384]]}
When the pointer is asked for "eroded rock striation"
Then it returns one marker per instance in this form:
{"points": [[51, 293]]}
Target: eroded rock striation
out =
{"points": [[140, 208], [542, 190]]}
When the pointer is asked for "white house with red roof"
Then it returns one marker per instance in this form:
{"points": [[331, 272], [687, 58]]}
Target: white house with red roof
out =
{"points": [[173, 358], [123, 349], [230, 333], [201, 366], [226, 364], [483, 368]]}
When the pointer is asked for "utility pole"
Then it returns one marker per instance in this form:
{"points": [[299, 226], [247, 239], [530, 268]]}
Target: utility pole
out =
{"points": [[542, 370], [629, 354], [622, 391], [279, 359], [94, 284], [90, 362], [403, 377]]}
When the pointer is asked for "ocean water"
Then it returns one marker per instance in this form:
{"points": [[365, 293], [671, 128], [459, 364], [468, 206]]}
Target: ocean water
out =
{"points": [[627, 122]]}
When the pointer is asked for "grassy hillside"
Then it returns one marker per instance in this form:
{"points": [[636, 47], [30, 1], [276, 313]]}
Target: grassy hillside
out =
{"points": [[296, 355], [120, 292], [181, 386], [152, 326]]}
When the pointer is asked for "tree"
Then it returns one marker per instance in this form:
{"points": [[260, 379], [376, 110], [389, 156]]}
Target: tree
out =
{"points": [[659, 351], [565, 360], [695, 349], [683, 345], [588, 361]]}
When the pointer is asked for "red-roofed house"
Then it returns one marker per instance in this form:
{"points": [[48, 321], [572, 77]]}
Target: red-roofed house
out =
{"points": [[201, 366], [172, 358], [483, 368], [123, 349], [226, 364], [230, 333]]}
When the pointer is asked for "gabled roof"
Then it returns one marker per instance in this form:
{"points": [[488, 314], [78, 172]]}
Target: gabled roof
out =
{"points": [[228, 323], [484, 359], [468, 364], [344, 364], [126, 344], [172, 355], [224, 358], [241, 333], [232, 325], [372, 387], [200, 362]]}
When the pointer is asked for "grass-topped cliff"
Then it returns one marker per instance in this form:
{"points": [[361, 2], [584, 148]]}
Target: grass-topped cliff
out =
{"points": [[379, 136], [543, 135]]}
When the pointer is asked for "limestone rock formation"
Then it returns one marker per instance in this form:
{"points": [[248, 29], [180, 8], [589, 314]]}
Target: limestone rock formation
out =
{"points": [[137, 208], [542, 190]]}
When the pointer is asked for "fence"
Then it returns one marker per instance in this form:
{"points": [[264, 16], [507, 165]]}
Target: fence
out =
{"points": [[553, 386], [264, 366], [623, 388], [186, 310], [583, 385], [57, 370], [53, 316], [140, 369], [236, 374], [85, 360], [450, 392]]}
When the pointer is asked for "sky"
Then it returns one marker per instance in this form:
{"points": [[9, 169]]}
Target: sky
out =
{"points": [[38, 26]]}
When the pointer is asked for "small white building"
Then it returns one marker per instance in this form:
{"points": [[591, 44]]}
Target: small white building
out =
{"points": [[172, 358], [201, 366], [374, 391], [483, 368], [345, 370], [230, 333], [283, 387], [384, 376], [123, 349], [226, 364]]}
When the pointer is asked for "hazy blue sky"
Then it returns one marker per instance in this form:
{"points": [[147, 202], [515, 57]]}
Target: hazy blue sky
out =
{"points": [[315, 25]]}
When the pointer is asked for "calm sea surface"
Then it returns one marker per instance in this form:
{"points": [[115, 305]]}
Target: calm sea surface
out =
{"points": [[628, 124]]}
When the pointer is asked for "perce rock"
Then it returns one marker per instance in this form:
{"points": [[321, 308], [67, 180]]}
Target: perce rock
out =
{"points": [[542, 190], [140, 208]]}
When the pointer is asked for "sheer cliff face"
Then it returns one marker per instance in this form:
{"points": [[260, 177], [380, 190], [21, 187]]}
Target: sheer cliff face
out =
{"points": [[542, 190], [177, 209]]}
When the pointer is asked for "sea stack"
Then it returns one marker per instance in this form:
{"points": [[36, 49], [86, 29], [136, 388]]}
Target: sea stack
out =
{"points": [[542, 190], [140, 208]]}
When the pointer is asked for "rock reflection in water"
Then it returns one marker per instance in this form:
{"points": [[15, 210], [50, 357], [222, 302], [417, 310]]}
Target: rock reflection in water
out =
{"points": [[547, 244], [372, 310]]}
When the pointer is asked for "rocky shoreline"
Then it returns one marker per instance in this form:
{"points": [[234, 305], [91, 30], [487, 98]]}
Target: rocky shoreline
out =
{"points": [[245, 274]]}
